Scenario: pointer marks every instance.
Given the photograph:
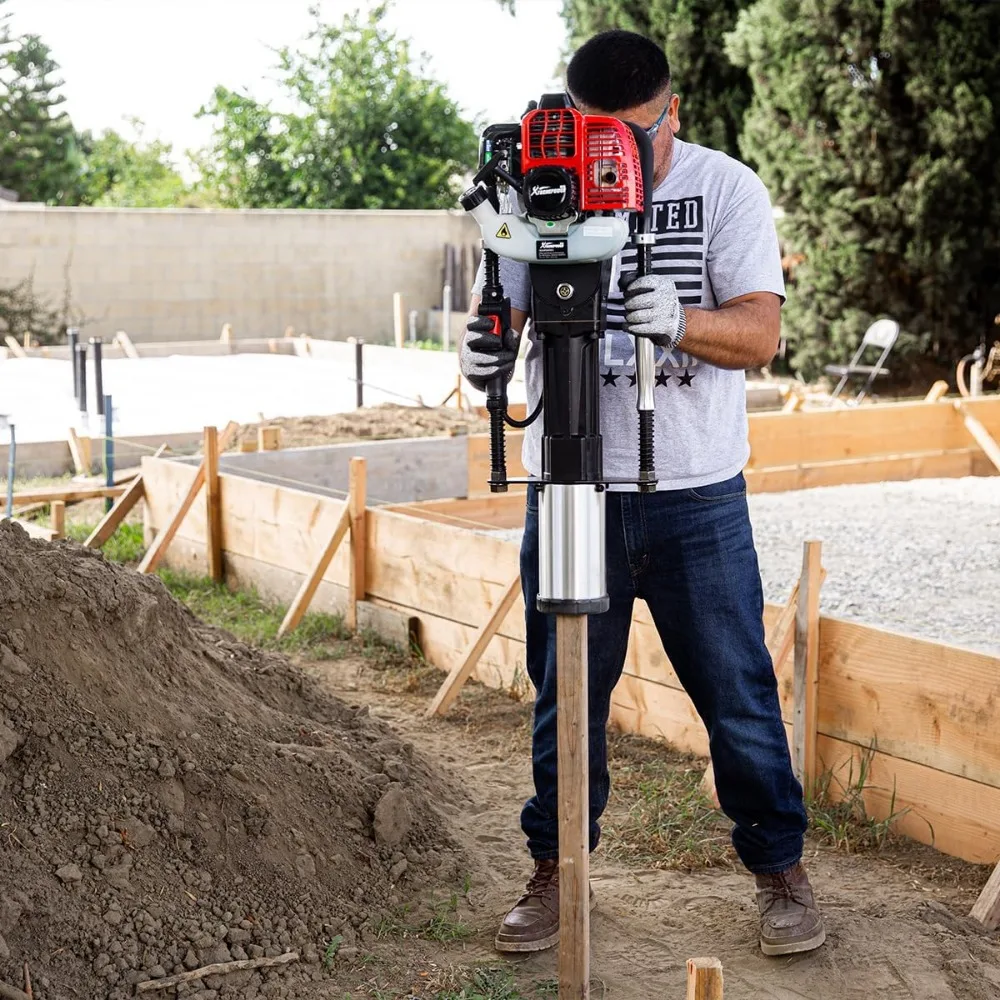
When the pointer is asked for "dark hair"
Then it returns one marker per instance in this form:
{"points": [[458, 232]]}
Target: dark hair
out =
{"points": [[616, 70]]}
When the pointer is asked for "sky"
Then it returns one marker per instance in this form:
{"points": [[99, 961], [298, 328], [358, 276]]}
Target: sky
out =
{"points": [[159, 60]]}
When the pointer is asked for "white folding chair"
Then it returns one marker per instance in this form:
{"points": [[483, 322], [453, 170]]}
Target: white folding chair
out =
{"points": [[882, 336]]}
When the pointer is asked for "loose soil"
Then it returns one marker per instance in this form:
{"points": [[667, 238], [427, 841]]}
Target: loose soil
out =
{"points": [[171, 798], [897, 924], [372, 423]]}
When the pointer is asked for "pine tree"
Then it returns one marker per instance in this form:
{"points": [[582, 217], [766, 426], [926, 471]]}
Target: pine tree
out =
{"points": [[38, 159], [876, 126]]}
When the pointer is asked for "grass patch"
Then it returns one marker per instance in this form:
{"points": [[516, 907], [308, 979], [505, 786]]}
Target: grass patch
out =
{"points": [[256, 622], [659, 814], [838, 813], [452, 983], [125, 546]]}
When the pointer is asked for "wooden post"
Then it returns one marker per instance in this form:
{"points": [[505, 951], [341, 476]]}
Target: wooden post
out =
{"points": [[704, 979], [397, 317], [310, 585], [59, 518], [124, 341], [462, 671], [155, 553], [806, 676], [213, 505], [226, 337], [356, 501], [14, 347], [987, 907], [574, 807]]}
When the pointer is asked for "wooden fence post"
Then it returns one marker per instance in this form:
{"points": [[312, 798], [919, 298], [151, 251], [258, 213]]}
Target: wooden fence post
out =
{"points": [[704, 979], [574, 807], [356, 501], [213, 505], [59, 518], [806, 675]]}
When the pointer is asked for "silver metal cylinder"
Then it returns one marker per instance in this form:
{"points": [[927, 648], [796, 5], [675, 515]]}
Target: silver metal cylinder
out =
{"points": [[645, 363], [571, 572]]}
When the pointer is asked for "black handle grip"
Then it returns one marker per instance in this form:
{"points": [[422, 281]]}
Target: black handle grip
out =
{"points": [[493, 305]]}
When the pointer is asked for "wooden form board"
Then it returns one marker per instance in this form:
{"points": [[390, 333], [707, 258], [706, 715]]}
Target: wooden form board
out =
{"points": [[930, 708], [790, 451]]}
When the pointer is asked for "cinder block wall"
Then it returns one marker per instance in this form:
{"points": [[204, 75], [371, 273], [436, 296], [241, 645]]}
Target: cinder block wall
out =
{"points": [[180, 274]]}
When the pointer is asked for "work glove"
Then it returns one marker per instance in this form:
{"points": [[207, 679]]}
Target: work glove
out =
{"points": [[652, 309], [486, 356]]}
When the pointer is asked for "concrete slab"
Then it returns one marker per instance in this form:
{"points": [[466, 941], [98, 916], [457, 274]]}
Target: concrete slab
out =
{"points": [[399, 471]]}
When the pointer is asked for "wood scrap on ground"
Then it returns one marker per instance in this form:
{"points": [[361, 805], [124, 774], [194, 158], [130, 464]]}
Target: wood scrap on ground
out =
{"points": [[221, 969], [987, 907]]}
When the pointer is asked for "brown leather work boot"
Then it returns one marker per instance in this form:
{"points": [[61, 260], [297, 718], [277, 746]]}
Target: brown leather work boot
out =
{"points": [[533, 923], [790, 921]]}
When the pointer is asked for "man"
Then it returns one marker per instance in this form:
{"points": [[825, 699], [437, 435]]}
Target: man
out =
{"points": [[712, 306]]}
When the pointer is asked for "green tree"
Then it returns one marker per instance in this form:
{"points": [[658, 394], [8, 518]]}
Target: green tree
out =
{"points": [[129, 173], [38, 156], [876, 125], [714, 93], [370, 129]]}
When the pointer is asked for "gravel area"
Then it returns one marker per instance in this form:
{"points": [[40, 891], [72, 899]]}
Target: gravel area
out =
{"points": [[920, 557]]}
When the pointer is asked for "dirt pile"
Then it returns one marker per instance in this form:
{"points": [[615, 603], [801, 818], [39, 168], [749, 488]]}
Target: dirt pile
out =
{"points": [[372, 423], [170, 798]]}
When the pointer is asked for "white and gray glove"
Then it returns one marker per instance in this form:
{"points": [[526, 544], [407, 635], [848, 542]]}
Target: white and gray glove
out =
{"points": [[486, 355], [653, 310]]}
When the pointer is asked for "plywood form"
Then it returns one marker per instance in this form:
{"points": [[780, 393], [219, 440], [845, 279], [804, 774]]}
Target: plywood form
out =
{"points": [[930, 707], [888, 441]]}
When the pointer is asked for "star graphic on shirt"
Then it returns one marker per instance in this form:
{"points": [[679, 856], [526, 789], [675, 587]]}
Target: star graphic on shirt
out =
{"points": [[686, 379], [662, 378], [609, 378], [631, 380]]}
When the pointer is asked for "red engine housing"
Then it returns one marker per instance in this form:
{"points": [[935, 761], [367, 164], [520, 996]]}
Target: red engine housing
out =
{"points": [[599, 151]]}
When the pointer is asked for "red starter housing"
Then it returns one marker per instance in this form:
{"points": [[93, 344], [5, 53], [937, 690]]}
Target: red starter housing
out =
{"points": [[599, 151]]}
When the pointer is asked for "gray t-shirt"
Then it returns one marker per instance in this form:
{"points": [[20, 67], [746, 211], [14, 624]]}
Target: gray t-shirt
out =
{"points": [[715, 237]]}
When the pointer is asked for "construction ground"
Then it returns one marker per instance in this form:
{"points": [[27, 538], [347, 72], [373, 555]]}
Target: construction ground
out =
{"points": [[231, 765]]}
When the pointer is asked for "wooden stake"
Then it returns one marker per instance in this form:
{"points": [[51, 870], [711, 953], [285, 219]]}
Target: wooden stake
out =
{"points": [[226, 337], [124, 341], [356, 501], [462, 671], [987, 907], [80, 450], [574, 807], [58, 519], [109, 523], [704, 979], [213, 504], [398, 319], [311, 583], [806, 676], [983, 437]]}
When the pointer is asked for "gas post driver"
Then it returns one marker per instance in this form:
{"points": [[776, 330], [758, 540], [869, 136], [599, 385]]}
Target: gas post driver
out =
{"points": [[558, 192], [551, 192]]}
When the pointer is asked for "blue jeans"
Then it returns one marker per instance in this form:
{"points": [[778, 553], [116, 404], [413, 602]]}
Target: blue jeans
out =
{"points": [[690, 555]]}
